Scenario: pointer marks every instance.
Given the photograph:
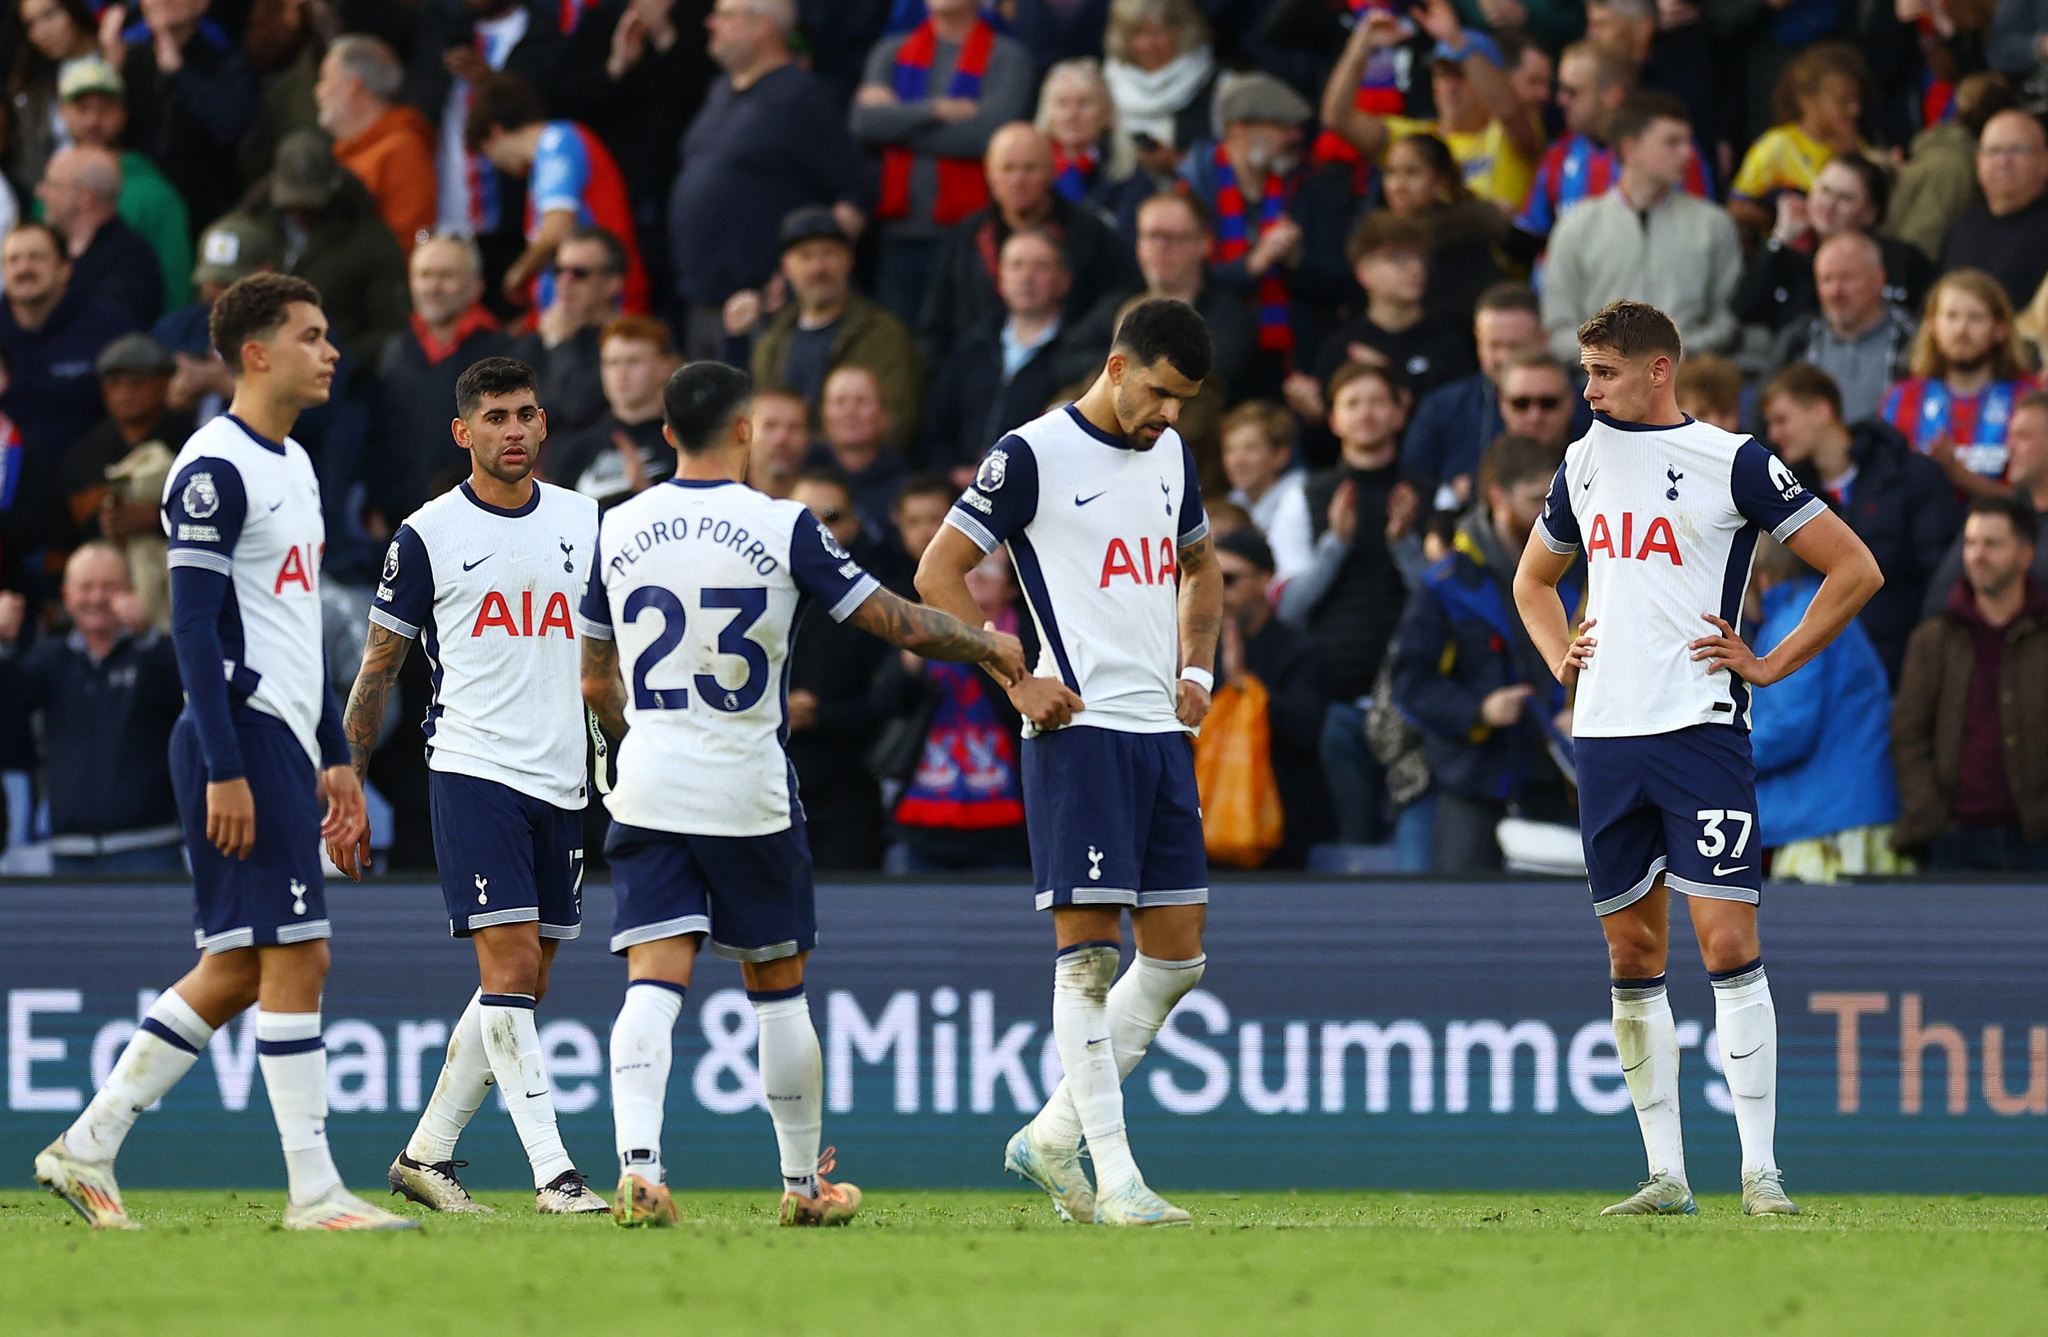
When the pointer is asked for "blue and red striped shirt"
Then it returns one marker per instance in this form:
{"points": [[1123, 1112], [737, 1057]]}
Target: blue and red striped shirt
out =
{"points": [[1923, 408], [1576, 168]]}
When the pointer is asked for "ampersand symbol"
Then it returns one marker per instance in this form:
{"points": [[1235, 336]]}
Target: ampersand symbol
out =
{"points": [[726, 1080]]}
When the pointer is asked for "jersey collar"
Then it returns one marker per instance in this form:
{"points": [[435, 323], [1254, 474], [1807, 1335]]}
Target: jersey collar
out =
{"points": [[512, 512], [1619, 425], [274, 447], [705, 482], [1081, 421]]}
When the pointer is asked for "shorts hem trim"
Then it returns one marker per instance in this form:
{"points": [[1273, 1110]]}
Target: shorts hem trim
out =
{"points": [[1712, 892], [518, 914], [1182, 896], [755, 955], [561, 932], [1635, 893], [233, 940], [681, 926], [1047, 900]]}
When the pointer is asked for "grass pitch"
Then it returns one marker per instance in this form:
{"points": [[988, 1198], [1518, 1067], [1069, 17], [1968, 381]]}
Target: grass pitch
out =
{"points": [[943, 1263]]}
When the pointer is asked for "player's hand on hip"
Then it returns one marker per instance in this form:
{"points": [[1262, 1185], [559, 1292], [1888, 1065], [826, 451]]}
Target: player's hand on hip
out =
{"points": [[231, 817], [1193, 705], [347, 819], [1046, 702], [1727, 650], [1579, 654], [1007, 666]]}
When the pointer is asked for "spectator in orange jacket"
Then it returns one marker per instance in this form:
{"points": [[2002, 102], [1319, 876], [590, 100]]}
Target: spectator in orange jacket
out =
{"points": [[386, 144]]}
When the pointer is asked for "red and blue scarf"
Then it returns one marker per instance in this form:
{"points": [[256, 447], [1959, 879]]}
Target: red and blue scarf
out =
{"points": [[10, 461], [1073, 174], [1234, 239], [962, 187]]}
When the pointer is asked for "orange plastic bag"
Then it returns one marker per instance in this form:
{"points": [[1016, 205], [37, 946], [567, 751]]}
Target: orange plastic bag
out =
{"points": [[1242, 821]]}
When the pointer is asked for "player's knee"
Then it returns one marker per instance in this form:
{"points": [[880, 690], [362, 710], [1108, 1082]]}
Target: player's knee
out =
{"points": [[1635, 956], [1086, 970]]}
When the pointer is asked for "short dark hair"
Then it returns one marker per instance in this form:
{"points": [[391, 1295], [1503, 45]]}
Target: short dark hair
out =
{"points": [[1877, 183], [1249, 544], [1513, 460], [1353, 370], [828, 475], [1163, 327], [57, 242], [1632, 329], [700, 400], [254, 308], [1640, 108], [1803, 381], [491, 376], [924, 485], [614, 250], [1508, 295], [1186, 199], [501, 101], [1384, 230], [2026, 526]]}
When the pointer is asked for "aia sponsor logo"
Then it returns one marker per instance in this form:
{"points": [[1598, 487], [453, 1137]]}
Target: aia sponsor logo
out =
{"points": [[1655, 534], [298, 566], [496, 611], [1145, 568]]}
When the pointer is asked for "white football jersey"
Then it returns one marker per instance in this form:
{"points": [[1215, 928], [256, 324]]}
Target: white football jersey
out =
{"points": [[491, 594], [249, 508], [701, 584], [1668, 519], [1095, 527]]}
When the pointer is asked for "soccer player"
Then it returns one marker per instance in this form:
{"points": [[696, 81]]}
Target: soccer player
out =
{"points": [[242, 513], [695, 592], [1667, 511], [1100, 506], [486, 576]]}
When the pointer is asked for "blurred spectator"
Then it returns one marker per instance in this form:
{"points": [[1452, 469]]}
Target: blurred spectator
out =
{"points": [[31, 504], [135, 381], [1939, 180], [1848, 196], [1454, 425], [1351, 596], [855, 427], [80, 194], [1972, 708], [1894, 498], [782, 441], [2026, 436], [917, 514], [571, 182], [831, 722], [623, 452], [95, 115], [1968, 370], [1161, 73], [1825, 797], [1817, 103], [1390, 258], [1539, 404], [1646, 240], [234, 247], [1465, 671], [1494, 135], [387, 145], [2006, 233], [2019, 38], [1419, 179], [412, 453], [962, 292], [1675, 58], [1002, 373], [827, 325], [1257, 643], [191, 98], [770, 139], [1258, 450], [590, 275], [930, 101], [108, 693], [45, 40], [51, 334], [1091, 163], [1860, 337]]}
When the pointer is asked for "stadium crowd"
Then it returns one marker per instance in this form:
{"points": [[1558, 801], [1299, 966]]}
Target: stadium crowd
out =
{"points": [[918, 223]]}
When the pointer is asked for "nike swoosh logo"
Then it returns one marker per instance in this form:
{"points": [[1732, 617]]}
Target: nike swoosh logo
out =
{"points": [[1719, 871], [1758, 1049], [275, 505], [535, 1095], [1080, 500], [471, 566], [1638, 1065]]}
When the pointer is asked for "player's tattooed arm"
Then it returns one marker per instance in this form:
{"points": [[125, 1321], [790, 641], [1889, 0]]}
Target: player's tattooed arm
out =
{"points": [[1201, 622], [937, 634], [604, 691], [383, 655]]}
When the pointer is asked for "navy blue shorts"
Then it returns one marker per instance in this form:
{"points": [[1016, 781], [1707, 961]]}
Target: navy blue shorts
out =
{"points": [[506, 857], [1682, 804], [277, 894], [1114, 819], [751, 894]]}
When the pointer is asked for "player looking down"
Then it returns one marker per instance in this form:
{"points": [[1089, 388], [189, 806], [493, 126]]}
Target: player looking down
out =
{"points": [[1103, 514], [243, 519], [485, 577], [1667, 511], [696, 590]]}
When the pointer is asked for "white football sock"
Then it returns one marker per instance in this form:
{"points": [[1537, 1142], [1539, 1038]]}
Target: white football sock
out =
{"points": [[512, 1043], [1748, 1024], [642, 1047], [793, 1079], [1137, 1007], [164, 1049], [294, 1062], [1080, 1027], [458, 1092], [1647, 1039]]}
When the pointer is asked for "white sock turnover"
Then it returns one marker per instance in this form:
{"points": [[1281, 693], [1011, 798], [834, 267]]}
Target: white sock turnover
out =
{"points": [[458, 1092], [1647, 1039], [294, 1062], [1080, 1027], [512, 1042], [642, 1048], [1748, 1024], [1137, 1007], [165, 1047], [793, 1079]]}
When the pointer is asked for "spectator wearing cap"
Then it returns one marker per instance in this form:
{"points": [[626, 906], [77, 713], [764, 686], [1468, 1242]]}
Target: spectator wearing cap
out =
{"points": [[234, 247], [826, 325], [1003, 373], [108, 692], [80, 193], [1256, 643], [52, 331], [409, 445], [334, 239], [1859, 337], [564, 347], [383, 143], [2006, 232], [1021, 185], [623, 452], [930, 102], [95, 114], [771, 138], [135, 382], [571, 180], [192, 98]]}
